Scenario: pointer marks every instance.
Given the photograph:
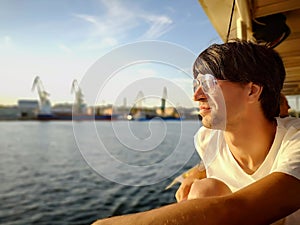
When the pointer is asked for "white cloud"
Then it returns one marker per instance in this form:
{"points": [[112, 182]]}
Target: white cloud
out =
{"points": [[118, 22], [88, 18], [159, 26], [109, 41], [65, 49], [6, 42]]}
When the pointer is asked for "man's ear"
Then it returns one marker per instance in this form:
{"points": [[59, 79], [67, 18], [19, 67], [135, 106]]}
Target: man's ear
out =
{"points": [[254, 92]]}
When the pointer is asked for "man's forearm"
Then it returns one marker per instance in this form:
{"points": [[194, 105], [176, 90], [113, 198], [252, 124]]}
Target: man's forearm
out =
{"points": [[263, 202], [206, 211]]}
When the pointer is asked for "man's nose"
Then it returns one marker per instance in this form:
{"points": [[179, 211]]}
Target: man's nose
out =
{"points": [[199, 94]]}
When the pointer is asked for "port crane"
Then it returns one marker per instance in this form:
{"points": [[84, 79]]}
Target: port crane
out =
{"points": [[163, 101], [44, 104], [139, 100], [79, 106]]}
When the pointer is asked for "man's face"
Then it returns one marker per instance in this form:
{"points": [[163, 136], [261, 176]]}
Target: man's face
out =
{"points": [[219, 101]]}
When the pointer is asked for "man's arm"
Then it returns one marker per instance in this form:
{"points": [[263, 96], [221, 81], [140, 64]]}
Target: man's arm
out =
{"points": [[263, 202], [269, 199], [196, 173]]}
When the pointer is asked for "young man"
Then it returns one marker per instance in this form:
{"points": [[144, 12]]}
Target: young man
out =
{"points": [[251, 159]]}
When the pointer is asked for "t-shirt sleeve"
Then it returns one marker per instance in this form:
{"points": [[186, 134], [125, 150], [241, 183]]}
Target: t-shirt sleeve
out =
{"points": [[289, 156], [198, 142], [206, 144]]}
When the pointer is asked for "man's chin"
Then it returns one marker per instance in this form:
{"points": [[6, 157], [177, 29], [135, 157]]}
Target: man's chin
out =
{"points": [[209, 122], [206, 122]]}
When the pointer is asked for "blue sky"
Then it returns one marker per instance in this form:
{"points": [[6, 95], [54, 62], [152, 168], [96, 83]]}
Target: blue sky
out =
{"points": [[59, 40]]}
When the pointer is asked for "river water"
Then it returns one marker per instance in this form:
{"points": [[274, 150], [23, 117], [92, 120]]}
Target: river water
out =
{"points": [[75, 173]]}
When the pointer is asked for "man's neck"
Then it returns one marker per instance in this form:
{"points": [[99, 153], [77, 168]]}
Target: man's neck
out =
{"points": [[250, 143]]}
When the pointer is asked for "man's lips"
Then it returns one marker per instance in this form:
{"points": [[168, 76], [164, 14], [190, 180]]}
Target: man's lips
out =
{"points": [[203, 107], [204, 110]]}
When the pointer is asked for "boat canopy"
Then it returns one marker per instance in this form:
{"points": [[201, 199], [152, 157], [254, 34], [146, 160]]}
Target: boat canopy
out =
{"points": [[275, 23]]}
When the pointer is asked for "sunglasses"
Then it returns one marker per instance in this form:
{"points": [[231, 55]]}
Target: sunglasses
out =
{"points": [[207, 82]]}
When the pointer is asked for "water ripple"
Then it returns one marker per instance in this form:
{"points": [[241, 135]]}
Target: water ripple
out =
{"points": [[44, 179]]}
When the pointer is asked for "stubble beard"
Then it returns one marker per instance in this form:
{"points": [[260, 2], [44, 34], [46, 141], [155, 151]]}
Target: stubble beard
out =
{"points": [[216, 122]]}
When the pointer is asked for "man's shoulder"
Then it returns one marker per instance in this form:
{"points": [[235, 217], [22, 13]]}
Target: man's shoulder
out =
{"points": [[289, 122]]}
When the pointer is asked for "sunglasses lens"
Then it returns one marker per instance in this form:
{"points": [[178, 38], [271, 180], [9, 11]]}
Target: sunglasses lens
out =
{"points": [[207, 82], [196, 84]]}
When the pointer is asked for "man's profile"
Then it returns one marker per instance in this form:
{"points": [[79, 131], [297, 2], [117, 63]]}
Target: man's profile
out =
{"points": [[251, 156]]}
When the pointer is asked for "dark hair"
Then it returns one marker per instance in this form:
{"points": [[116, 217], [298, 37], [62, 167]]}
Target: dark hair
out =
{"points": [[244, 62]]}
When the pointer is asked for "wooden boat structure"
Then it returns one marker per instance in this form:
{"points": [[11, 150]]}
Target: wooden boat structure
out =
{"points": [[275, 23]]}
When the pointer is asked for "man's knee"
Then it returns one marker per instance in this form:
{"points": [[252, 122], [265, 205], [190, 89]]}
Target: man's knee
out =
{"points": [[208, 187]]}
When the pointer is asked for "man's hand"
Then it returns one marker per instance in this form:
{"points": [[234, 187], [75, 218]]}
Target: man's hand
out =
{"points": [[196, 173], [184, 189]]}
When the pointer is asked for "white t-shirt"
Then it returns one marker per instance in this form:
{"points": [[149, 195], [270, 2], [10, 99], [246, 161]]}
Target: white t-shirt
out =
{"points": [[284, 156]]}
